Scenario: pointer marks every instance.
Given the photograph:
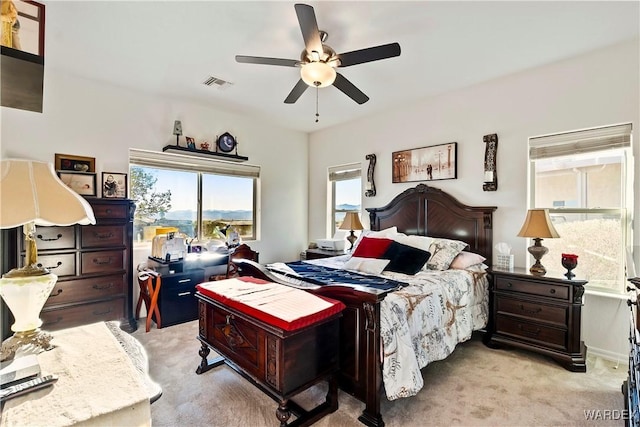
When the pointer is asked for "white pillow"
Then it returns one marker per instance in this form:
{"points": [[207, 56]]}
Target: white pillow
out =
{"points": [[387, 233], [420, 242], [366, 265], [466, 259]]}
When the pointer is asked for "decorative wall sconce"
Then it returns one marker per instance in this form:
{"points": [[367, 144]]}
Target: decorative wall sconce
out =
{"points": [[490, 171], [177, 130], [371, 185]]}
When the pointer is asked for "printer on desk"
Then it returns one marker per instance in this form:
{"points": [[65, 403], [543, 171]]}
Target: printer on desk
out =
{"points": [[331, 244]]}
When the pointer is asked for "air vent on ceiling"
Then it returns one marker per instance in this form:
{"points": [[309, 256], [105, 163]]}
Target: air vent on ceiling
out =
{"points": [[216, 82]]}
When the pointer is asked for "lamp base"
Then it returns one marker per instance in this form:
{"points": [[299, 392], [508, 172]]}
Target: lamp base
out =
{"points": [[352, 239], [538, 251], [34, 341]]}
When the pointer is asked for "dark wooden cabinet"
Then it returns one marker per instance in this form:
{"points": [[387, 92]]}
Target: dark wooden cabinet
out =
{"points": [[177, 299], [538, 313], [94, 267], [318, 253]]}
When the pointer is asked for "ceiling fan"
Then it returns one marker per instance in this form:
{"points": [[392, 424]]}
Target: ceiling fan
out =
{"points": [[318, 61]]}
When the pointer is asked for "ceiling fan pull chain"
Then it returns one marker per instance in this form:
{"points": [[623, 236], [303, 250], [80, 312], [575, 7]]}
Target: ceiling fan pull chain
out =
{"points": [[317, 115]]}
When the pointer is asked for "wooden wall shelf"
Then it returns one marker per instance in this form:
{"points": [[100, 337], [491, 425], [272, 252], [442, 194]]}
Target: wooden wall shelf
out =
{"points": [[205, 153]]}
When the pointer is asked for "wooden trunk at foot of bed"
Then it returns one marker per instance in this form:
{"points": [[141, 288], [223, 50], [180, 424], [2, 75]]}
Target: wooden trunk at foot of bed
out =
{"points": [[423, 211]]}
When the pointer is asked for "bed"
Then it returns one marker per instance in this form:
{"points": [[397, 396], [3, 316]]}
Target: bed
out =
{"points": [[417, 211]]}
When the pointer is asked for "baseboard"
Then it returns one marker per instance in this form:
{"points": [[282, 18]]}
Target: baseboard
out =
{"points": [[608, 355]]}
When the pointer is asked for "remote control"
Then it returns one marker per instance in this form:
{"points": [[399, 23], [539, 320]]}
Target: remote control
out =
{"points": [[26, 387]]}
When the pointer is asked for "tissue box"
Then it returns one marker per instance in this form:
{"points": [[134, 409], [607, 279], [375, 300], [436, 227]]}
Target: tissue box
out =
{"points": [[505, 262]]}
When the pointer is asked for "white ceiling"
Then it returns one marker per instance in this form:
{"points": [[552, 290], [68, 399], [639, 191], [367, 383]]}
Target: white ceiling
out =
{"points": [[169, 47]]}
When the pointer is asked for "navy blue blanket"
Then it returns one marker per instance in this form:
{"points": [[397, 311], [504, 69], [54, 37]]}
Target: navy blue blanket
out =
{"points": [[321, 275]]}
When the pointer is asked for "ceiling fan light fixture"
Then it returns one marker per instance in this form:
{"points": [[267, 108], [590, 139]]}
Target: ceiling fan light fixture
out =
{"points": [[318, 74]]}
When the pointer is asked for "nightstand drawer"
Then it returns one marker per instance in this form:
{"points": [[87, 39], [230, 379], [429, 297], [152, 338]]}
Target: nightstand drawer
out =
{"points": [[534, 288], [544, 335], [532, 310]]}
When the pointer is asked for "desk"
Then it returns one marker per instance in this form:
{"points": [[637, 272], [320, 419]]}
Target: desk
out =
{"points": [[97, 384]]}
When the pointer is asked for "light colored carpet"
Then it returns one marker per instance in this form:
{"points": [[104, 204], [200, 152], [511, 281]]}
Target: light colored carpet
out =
{"points": [[475, 386]]}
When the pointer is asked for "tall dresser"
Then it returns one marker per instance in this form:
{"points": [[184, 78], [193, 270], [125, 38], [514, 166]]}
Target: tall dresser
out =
{"points": [[93, 264]]}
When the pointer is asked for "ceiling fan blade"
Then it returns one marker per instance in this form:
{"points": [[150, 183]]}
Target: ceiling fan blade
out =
{"points": [[296, 92], [266, 61], [349, 89], [309, 27], [370, 54]]}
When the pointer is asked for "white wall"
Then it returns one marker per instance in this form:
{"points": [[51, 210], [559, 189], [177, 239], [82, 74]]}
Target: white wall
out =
{"points": [[87, 118], [596, 89]]}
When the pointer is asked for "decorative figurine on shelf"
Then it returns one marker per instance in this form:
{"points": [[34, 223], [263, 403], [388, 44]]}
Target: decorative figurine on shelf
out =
{"points": [[204, 145], [191, 143], [177, 130], [569, 261]]}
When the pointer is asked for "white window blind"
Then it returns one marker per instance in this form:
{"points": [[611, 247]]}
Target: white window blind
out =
{"points": [[344, 172], [157, 159], [582, 141]]}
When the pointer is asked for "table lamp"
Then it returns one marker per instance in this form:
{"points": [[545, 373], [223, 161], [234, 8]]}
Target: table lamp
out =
{"points": [[351, 222], [537, 225], [32, 194]]}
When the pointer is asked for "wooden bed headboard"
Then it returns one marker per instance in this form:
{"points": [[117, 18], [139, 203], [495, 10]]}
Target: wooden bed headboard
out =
{"points": [[429, 211]]}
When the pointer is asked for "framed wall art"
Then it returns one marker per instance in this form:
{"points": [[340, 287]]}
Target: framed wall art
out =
{"points": [[114, 185], [83, 183], [68, 162], [425, 164]]}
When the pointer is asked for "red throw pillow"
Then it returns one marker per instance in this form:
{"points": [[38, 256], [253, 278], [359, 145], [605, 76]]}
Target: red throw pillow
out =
{"points": [[371, 247]]}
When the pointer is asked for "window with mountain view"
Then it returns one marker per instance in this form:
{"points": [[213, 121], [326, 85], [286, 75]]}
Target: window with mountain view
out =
{"points": [[346, 192], [200, 204]]}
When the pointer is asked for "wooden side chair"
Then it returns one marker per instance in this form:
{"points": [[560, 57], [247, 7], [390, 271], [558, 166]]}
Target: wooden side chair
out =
{"points": [[240, 252]]}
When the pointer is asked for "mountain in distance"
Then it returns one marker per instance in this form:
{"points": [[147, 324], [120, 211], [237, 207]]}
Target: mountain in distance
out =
{"points": [[348, 207], [211, 214]]}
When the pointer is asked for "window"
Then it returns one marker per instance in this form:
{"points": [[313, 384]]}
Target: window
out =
{"points": [[346, 192], [200, 197], [584, 178]]}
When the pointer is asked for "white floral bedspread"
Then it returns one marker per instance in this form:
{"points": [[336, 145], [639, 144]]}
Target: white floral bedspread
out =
{"points": [[423, 322]]}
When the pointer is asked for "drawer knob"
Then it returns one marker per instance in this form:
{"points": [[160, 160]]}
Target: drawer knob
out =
{"points": [[44, 239], [103, 235], [56, 294], [524, 310], [229, 318], [552, 291], [509, 285], [102, 261], [51, 268], [108, 211], [102, 287], [184, 294]]}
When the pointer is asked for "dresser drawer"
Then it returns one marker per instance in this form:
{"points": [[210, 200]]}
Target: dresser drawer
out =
{"points": [[102, 261], [546, 336], [59, 264], [83, 314], [102, 235], [535, 288], [70, 291], [110, 211], [55, 238], [532, 310]]}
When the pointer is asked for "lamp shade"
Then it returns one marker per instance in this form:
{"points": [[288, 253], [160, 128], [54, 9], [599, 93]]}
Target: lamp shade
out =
{"points": [[30, 191], [351, 222], [538, 224], [318, 74]]}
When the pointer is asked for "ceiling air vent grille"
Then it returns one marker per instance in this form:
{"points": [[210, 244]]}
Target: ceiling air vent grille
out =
{"points": [[216, 82]]}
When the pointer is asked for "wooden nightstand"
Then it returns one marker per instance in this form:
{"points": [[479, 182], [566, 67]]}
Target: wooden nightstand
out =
{"points": [[322, 253], [538, 313]]}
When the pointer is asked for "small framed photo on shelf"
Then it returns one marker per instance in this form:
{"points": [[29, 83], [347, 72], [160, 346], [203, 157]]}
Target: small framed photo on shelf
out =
{"points": [[114, 185], [83, 183], [67, 162]]}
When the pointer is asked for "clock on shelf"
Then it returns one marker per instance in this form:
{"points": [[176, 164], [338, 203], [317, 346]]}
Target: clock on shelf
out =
{"points": [[226, 143]]}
